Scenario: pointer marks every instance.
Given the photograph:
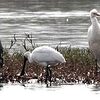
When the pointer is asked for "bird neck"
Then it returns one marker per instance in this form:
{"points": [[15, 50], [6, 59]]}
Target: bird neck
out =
{"points": [[94, 21]]}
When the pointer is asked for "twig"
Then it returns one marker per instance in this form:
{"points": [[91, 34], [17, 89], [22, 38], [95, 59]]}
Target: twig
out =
{"points": [[57, 47], [29, 39], [24, 45], [13, 42]]}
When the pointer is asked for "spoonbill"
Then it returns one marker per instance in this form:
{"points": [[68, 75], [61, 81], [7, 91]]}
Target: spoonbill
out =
{"points": [[94, 37], [45, 56]]}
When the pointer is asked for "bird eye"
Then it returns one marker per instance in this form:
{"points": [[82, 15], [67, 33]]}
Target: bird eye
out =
{"points": [[95, 13]]}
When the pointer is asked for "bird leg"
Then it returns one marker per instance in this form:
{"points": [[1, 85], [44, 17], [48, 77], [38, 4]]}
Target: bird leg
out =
{"points": [[96, 68], [50, 75]]}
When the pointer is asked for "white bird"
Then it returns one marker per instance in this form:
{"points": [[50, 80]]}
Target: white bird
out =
{"points": [[94, 37], [45, 56]]}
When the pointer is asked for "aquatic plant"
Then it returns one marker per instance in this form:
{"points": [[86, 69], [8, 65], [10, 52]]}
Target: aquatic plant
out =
{"points": [[79, 67]]}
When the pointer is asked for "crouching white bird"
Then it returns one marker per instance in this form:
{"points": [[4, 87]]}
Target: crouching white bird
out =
{"points": [[94, 37], [45, 56]]}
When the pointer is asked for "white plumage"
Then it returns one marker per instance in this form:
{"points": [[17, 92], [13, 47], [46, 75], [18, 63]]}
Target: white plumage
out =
{"points": [[45, 56], [94, 35]]}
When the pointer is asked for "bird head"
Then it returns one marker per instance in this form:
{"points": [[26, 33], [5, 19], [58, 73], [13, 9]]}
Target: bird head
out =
{"points": [[94, 13]]}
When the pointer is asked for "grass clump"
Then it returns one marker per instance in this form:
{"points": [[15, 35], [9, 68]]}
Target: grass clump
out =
{"points": [[79, 67]]}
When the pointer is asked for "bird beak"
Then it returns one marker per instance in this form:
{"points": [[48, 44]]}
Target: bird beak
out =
{"points": [[23, 70], [97, 14]]}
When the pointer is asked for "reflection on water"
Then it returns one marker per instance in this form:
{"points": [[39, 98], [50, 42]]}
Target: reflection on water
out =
{"points": [[95, 88], [40, 92], [49, 21], [1, 86]]}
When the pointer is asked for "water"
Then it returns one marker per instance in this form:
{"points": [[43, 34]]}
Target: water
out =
{"points": [[49, 21], [39, 92]]}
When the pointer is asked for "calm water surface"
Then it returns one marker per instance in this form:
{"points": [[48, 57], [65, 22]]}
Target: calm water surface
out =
{"points": [[49, 21], [40, 92]]}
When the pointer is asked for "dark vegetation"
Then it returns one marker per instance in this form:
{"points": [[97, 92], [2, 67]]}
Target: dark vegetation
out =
{"points": [[79, 66]]}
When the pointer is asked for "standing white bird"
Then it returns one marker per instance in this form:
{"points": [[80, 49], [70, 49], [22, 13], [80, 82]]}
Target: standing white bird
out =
{"points": [[94, 37], [45, 56]]}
